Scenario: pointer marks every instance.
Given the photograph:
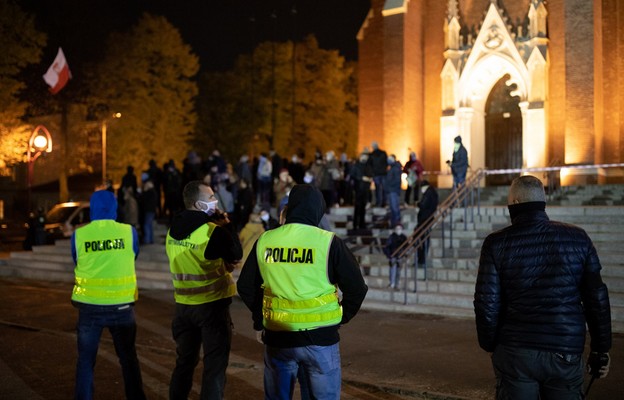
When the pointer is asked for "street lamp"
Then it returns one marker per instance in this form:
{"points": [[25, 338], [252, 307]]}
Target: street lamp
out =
{"points": [[40, 141], [115, 115]]}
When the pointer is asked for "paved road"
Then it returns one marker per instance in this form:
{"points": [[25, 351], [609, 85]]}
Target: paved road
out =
{"points": [[384, 356]]}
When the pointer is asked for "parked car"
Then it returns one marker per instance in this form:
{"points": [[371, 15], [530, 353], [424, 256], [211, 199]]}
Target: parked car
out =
{"points": [[63, 219], [12, 234]]}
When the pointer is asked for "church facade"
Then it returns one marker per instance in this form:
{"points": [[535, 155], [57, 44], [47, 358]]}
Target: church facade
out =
{"points": [[525, 83]]}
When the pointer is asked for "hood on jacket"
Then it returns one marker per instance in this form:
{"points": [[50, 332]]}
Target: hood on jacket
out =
{"points": [[186, 222], [103, 205], [305, 205]]}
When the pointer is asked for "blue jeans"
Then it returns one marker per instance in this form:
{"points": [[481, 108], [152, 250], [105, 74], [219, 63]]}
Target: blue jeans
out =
{"points": [[119, 320], [209, 326], [321, 370], [148, 227], [395, 272], [395, 208], [534, 374]]}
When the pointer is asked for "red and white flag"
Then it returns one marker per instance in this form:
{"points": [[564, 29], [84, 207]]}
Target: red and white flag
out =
{"points": [[58, 74]]}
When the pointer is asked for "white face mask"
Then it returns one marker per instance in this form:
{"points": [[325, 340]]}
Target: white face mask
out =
{"points": [[398, 231], [209, 207], [423, 189], [264, 217], [307, 179], [457, 145]]}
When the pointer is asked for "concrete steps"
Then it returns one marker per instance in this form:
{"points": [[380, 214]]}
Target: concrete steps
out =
{"points": [[54, 262], [452, 268]]}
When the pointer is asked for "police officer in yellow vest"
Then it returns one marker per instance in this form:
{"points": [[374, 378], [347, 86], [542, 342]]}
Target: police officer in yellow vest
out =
{"points": [[104, 293], [202, 254], [290, 283]]}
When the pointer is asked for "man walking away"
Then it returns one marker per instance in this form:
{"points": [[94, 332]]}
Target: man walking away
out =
{"points": [[290, 283], [104, 294], [202, 254], [538, 287]]}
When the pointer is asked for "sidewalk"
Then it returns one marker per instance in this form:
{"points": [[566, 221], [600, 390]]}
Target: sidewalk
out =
{"points": [[383, 355]]}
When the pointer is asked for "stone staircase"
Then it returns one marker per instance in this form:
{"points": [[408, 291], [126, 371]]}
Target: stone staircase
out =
{"points": [[452, 268], [452, 264]]}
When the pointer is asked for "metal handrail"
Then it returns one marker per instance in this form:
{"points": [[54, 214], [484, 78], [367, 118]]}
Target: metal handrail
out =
{"points": [[462, 194]]}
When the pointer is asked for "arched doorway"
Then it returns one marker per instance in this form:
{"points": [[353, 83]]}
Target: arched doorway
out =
{"points": [[503, 131]]}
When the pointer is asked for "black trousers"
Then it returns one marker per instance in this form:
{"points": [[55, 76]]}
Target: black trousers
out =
{"points": [[208, 325]]}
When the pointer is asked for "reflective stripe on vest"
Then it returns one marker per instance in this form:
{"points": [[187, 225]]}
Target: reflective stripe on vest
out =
{"points": [[105, 272], [197, 280], [293, 264]]}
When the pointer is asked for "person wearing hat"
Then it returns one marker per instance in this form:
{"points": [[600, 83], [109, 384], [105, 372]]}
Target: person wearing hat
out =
{"points": [[459, 163], [291, 283], [427, 206], [104, 293]]}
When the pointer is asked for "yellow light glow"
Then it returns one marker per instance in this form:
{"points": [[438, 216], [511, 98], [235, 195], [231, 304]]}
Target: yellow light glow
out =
{"points": [[40, 142]]}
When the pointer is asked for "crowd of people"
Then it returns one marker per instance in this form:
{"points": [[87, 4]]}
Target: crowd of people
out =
{"points": [[262, 184]]}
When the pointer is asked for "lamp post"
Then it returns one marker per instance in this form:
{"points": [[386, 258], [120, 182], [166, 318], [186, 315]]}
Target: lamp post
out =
{"points": [[104, 127], [40, 141]]}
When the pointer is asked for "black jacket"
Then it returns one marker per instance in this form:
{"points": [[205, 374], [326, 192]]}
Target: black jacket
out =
{"points": [[222, 243], [427, 205], [306, 206], [538, 284]]}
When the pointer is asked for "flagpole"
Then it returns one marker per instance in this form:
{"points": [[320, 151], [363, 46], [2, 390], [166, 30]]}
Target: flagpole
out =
{"points": [[104, 151]]}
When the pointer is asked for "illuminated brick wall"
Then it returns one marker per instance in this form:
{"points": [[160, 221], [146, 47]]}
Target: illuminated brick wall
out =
{"points": [[370, 77]]}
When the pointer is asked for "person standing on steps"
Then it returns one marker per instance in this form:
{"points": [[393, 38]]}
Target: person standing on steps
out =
{"points": [[459, 162]]}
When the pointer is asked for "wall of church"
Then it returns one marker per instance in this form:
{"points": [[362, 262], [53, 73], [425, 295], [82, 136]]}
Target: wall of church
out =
{"points": [[556, 107], [612, 85], [433, 62], [580, 81], [394, 82], [412, 136], [473, 11], [370, 77]]}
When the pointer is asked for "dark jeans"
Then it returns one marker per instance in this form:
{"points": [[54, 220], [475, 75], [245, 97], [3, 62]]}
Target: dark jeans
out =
{"points": [[408, 193], [526, 374], [119, 320], [395, 208], [380, 196], [208, 325], [148, 227], [359, 210]]}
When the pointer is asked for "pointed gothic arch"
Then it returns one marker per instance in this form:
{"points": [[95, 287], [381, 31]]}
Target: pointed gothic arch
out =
{"points": [[473, 71]]}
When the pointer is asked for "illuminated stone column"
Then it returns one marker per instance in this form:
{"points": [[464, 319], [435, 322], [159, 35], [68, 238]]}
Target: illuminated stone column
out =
{"points": [[448, 130], [534, 148]]}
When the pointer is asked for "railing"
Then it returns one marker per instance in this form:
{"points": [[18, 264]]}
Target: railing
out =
{"points": [[468, 196]]}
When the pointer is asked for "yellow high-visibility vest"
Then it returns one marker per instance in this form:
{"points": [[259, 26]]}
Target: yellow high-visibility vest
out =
{"points": [[195, 279], [105, 273], [297, 292]]}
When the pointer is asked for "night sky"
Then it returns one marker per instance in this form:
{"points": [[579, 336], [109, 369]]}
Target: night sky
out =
{"points": [[216, 30]]}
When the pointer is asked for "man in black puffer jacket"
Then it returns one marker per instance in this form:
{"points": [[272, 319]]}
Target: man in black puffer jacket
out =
{"points": [[538, 286]]}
